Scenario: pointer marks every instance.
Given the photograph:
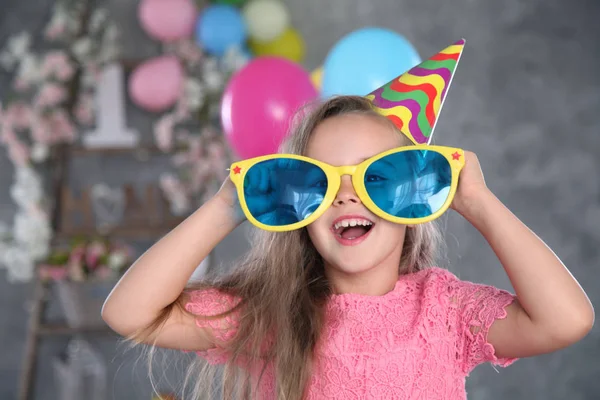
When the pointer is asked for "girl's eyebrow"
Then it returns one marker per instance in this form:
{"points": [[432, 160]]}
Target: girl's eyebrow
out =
{"points": [[372, 155], [367, 157]]}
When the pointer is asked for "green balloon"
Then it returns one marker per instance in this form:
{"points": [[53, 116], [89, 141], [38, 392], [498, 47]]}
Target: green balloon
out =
{"points": [[236, 3]]}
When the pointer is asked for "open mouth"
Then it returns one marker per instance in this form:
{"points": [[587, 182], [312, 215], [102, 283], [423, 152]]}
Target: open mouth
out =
{"points": [[351, 228]]}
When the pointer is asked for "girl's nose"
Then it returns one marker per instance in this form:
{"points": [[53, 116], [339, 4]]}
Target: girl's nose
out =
{"points": [[346, 193]]}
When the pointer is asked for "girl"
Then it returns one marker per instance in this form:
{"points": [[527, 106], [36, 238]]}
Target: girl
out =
{"points": [[338, 297]]}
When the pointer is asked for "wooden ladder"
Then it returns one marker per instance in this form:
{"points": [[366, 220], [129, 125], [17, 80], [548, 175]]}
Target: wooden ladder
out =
{"points": [[147, 218]]}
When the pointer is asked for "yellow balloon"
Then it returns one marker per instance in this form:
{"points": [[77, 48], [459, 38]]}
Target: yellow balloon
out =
{"points": [[317, 77], [288, 45]]}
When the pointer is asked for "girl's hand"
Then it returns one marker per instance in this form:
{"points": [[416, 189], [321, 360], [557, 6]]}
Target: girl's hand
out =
{"points": [[551, 310], [228, 195], [260, 188], [471, 185]]}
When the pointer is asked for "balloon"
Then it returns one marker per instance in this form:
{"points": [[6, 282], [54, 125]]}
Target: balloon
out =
{"points": [[259, 102], [289, 45], [230, 2], [156, 84], [219, 28], [266, 19], [365, 60], [167, 20], [317, 77]]}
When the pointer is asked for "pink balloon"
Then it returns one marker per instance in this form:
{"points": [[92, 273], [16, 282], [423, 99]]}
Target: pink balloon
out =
{"points": [[156, 84], [259, 102], [168, 20]]}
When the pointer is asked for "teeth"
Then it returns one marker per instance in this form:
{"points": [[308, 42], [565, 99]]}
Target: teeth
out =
{"points": [[352, 222]]}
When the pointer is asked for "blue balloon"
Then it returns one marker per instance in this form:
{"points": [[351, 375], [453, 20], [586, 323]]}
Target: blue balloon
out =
{"points": [[365, 60], [220, 27]]}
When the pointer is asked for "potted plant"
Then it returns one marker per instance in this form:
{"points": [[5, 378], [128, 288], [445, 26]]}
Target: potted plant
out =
{"points": [[85, 272]]}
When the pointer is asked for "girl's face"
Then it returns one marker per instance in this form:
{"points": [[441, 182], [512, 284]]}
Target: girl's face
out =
{"points": [[368, 253]]}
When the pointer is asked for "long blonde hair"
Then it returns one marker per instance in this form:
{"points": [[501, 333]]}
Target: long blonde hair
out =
{"points": [[282, 286]]}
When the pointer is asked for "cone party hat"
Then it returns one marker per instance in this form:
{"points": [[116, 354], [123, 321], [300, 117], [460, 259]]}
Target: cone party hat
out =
{"points": [[413, 100]]}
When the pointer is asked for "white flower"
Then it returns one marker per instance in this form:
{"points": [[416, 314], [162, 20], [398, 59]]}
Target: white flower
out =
{"points": [[39, 152], [212, 77], [97, 20], [33, 231], [163, 132], [234, 59], [82, 48], [18, 45], [39, 250], [194, 93], [58, 22], [179, 205], [29, 69], [117, 260], [27, 189], [27, 176], [73, 18], [111, 34], [109, 49], [16, 49], [60, 14], [175, 193], [19, 264]]}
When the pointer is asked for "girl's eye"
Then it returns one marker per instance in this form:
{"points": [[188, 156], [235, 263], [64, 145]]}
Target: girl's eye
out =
{"points": [[374, 178], [320, 184]]}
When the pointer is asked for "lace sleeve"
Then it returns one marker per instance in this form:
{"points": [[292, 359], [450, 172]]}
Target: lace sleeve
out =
{"points": [[209, 303], [476, 307]]}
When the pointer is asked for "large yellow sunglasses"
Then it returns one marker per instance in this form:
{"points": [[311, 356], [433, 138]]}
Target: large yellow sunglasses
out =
{"points": [[405, 185]]}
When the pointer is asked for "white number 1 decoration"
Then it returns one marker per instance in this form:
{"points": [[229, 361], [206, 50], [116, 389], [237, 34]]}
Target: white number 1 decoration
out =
{"points": [[111, 125]]}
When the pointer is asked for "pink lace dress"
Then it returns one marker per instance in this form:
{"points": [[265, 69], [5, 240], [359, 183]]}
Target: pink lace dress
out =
{"points": [[415, 342]]}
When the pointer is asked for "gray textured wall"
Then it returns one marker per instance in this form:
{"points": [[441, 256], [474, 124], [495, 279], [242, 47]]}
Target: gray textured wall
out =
{"points": [[525, 98]]}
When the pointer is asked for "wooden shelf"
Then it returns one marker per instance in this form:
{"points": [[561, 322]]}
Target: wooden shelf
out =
{"points": [[146, 216], [121, 232], [146, 212], [80, 150]]}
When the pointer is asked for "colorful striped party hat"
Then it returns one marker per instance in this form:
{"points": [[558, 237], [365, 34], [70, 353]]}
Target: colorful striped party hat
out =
{"points": [[413, 100]]}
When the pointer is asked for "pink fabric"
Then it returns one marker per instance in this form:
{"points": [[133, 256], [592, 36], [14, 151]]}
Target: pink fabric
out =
{"points": [[415, 342]]}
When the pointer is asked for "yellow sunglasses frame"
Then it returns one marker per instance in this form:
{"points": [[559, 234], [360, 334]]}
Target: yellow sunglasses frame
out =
{"points": [[237, 173]]}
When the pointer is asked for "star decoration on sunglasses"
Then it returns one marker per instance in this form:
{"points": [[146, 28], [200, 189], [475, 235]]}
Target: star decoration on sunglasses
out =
{"points": [[237, 170], [456, 155]]}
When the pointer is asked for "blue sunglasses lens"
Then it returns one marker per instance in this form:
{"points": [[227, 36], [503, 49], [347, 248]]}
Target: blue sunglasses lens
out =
{"points": [[409, 184], [284, 191]]}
